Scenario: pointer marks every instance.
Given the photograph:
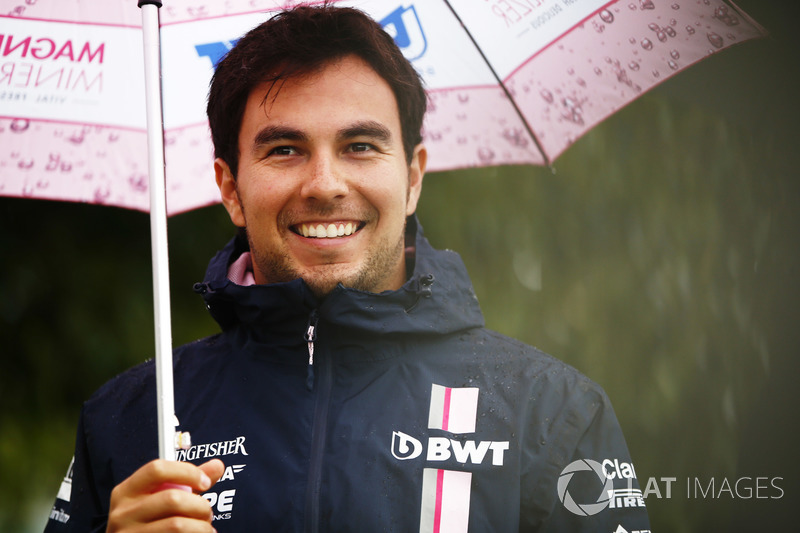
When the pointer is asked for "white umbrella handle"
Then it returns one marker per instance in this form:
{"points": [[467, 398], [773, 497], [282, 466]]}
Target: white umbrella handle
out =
{"points": [[158, 228]]}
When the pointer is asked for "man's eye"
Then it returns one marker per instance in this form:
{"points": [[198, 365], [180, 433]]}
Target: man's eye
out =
{"points": [[283, 150], [361, 147]]}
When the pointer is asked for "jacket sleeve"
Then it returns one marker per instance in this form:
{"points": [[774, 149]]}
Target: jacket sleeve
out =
{"points": [[78, 505], [590, 471]]}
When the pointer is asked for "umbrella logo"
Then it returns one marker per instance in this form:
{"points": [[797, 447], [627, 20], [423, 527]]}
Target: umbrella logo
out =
{"points": [[584, 509], [405, 28]]}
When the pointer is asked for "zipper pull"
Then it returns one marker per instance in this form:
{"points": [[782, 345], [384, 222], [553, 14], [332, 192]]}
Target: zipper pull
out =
{"points": [[310, 336]]}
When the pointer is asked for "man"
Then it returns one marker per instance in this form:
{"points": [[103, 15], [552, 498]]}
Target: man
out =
{"points": [[353, 386]]}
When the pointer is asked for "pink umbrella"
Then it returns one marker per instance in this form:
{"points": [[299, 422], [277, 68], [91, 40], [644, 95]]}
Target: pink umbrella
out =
{"points": [[510, 82]]}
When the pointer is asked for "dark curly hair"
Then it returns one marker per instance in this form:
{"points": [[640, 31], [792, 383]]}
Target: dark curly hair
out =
{"points": [[297, 42]]}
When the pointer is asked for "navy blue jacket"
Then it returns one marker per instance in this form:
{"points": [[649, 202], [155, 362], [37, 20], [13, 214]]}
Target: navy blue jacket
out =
{"points": [[412, 417]]}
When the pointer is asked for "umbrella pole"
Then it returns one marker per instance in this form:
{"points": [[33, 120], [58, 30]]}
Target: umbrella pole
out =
{"points": [[158, 229]]}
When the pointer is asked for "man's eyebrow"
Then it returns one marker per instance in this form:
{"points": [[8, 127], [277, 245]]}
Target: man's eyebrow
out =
{"points": [[369, 128], [272, 134]]}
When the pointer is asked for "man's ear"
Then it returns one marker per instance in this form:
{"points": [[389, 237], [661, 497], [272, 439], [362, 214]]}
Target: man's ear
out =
{"points": [[227, 190], [416, 171]]}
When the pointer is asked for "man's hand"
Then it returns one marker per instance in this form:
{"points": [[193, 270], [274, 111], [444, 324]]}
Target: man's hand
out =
{"points": [[140, 503]]}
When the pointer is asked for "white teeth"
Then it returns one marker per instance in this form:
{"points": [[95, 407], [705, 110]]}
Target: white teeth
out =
{"points": [[320, 231]]}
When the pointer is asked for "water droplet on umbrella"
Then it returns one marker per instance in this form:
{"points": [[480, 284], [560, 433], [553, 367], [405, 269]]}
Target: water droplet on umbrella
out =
{"points": [[598, 71], [662, 35], [675, 7], [647, 44], [646, 4], [25, 164], [607, 16], [669, 30], [18, 125], [547, 95], [633, 65], [632, 7], [581, 82], [656, 74], [486, 155], [653, 26], [675, 54], [463, 98], [101, 194], [690, 29], [715, 39], [516, 137], [138, 182], [672, 64]]}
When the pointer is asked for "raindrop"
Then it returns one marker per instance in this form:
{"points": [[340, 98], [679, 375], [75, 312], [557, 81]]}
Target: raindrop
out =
{"points": [[598, 71], [570, 71], [516, 137], [670, 31], [463, 98], [662, 36], [653, 26], [27, 190], [646, 4], [715, 39], [675, 7], [690, 29], [607, 16], [647, 44], [30, 2], [101, 194], [547, 95], [65, 167], [581, 82], [632, 40], [486, 155], [672, 64], [52, 164], [656, 74], [461, 140], [673, 22], [632, 7], [138, 183], [113, 137], [42, 184], [675, 54], [18, 125], [633, 65], [25, 165]]}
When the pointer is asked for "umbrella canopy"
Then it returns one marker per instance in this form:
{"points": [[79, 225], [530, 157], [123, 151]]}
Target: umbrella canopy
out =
{"points": [[510, 82]]}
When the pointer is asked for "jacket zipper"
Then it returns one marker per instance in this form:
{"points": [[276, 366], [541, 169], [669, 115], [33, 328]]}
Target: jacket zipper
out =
{"points": [[320, 424], [310, 337]]}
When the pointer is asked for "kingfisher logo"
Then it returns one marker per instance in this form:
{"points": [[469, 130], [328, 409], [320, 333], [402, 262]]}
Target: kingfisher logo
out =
{"points": [[402, 24]]}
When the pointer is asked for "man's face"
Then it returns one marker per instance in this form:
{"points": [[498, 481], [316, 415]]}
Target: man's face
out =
{"points": [[323, 185]]}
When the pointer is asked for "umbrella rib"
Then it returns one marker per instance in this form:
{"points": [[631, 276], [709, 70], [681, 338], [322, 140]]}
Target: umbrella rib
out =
{"points": [[502, 86]]}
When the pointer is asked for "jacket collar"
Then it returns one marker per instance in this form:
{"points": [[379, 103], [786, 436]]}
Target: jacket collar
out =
{"points": [[437, 298]]}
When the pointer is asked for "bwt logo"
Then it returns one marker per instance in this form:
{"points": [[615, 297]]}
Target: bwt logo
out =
{"points": [[402, 24], [405, 447]]}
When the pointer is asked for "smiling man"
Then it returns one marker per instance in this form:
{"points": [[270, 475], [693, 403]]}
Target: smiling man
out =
{"points": [[353, 386], [323, 183]]}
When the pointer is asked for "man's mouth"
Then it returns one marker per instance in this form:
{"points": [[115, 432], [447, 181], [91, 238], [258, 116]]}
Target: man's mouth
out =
{"points": [[327, 230]]}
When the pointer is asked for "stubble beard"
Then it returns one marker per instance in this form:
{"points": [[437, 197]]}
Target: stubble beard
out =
{"points": [[379, 266]]}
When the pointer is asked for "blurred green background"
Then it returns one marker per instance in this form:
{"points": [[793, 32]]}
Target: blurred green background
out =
{"points": [[660, 259]]}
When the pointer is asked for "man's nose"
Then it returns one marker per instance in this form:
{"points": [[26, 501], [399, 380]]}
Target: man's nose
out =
{"points": [[326, 180]]}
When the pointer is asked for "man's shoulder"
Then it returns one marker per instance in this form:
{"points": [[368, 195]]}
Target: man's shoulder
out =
{"points": [[135, 383], [543, 372]]}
